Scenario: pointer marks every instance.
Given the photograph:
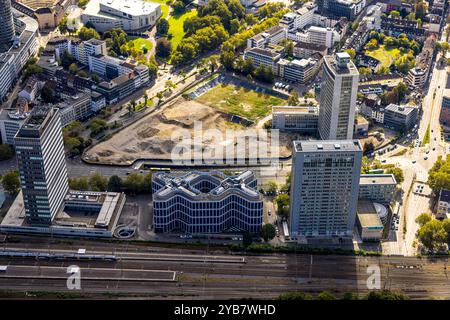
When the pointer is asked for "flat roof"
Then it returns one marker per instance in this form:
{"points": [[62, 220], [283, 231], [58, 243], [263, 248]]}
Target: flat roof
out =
{"points": [[377, 179], [327, 146], [367, 214], [295, 109], [129, 7]]}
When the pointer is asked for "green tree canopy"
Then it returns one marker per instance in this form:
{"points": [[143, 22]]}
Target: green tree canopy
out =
{"points": [[268, 232], [11, 182]]}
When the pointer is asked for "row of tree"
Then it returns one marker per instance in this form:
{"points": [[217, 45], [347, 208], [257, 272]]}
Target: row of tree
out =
{"points": [[134, 183]]}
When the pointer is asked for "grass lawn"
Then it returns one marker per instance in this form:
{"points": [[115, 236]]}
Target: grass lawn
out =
{"points": [[164, 7], [426, 137], [240, 101], [176, 26], [386, 57], [141, 42]]}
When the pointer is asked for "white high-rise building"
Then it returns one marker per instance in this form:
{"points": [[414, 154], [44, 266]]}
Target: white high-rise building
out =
{"points": [[338, 97], [42, 167], [324, 188]]}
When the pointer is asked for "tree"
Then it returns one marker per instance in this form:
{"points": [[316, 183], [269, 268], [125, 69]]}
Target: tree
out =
{"points": [[398, 174], [97, 182], [293, 99], [88, 33], [351, 53], [162, 27], [282, 202], [395, 14], [420, 10], [272, 187], [97, 125], [247, 67], [114, 184], [73, 69], [439, 175], [163, 48], [62, 26], [11, 182], [247, 239], [368, 147], [372, 45], [47, 95], [423, 219], [324, 295], [268, 232], [6, 152], [432, 235]]}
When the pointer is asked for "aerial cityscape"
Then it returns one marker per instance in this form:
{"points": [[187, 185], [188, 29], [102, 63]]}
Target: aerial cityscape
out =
{"points": [[225, 149]]}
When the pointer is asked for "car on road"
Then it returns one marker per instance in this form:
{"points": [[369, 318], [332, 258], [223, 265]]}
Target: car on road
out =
{"points": [[414, 161], [434, 149], [426, 158]]}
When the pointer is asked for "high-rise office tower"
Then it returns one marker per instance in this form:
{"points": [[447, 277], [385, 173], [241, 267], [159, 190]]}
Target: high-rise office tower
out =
{"points": [[42, 166], [338, 97], [324, 187], [7, 25]]}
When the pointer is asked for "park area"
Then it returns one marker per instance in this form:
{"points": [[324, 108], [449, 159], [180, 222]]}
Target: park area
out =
{"points": [[240, 101], [141, 43], [176, 26], [386, 56]]}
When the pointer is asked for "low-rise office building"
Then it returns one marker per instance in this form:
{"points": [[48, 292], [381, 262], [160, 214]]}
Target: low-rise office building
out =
{"points": [[265, 57], [118, 88], [369, 225], [377, 187], [206, 202], [400, 117], [301, 71], [293, 118], [272, 35], [304, 50]]}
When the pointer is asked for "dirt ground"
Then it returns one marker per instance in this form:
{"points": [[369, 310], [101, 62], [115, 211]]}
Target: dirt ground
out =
{"points": [[155, 136]]}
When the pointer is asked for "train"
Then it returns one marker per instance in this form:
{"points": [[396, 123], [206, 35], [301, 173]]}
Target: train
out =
{"points": [[58, 256]]}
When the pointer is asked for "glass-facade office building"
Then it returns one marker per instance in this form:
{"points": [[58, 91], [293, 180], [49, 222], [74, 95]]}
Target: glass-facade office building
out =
{"points": [[206, 202]]}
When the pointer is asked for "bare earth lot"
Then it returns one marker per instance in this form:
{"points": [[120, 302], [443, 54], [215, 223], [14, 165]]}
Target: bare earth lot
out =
{"points": [[151, 137]]}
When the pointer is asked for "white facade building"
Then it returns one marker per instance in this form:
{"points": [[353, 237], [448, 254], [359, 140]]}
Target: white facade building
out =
{"points": [[129, 15]]}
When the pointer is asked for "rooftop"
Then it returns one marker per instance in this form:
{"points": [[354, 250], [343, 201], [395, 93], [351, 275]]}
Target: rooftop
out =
{"points": [[327, 146], [221, 185], [128, 7], [340, 63], [295, 109], [402, 109], [367, 215], [377, 179]]}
